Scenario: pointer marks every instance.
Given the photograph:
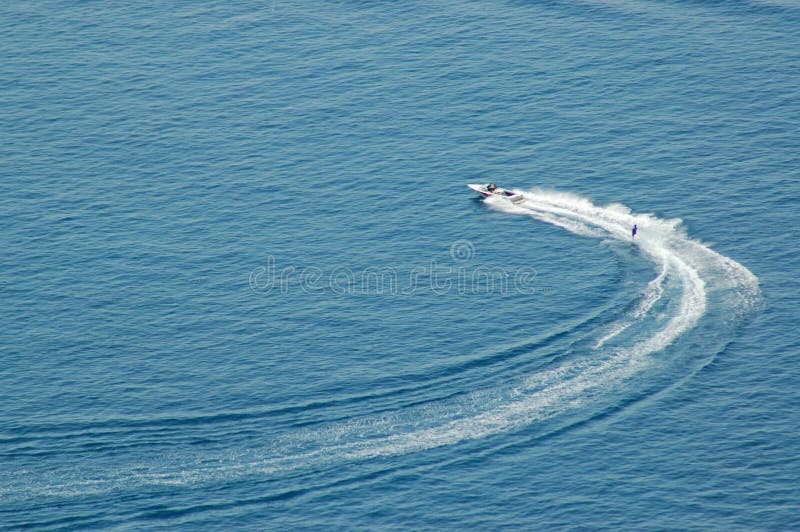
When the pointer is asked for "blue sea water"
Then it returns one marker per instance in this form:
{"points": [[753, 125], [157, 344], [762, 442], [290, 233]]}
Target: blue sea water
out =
{"points": [[244, 285]]}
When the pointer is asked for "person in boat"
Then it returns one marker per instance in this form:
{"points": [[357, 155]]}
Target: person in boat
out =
{"points": [[492, 188], [634, 231]]}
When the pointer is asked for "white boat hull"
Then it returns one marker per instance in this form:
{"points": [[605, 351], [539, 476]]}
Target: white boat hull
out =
{"points": [[484, 191]]}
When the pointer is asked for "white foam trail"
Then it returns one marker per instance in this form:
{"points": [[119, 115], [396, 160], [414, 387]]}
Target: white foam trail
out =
{"points": [[651, 296], [688, 265], [547, 394]]}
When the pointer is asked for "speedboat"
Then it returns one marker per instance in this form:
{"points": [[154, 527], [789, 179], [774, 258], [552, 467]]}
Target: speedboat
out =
{"points": [[491, 189]]}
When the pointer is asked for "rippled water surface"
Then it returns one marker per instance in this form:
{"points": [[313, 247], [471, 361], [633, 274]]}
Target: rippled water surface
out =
{"points": [[245, 286]]}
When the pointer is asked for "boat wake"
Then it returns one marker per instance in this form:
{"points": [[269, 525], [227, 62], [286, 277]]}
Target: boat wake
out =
{"points": [[688, 274], [694, 291]]}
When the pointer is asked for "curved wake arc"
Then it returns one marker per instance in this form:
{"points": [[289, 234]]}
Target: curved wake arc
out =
{"points": [[690, 279], [671, 305]]}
